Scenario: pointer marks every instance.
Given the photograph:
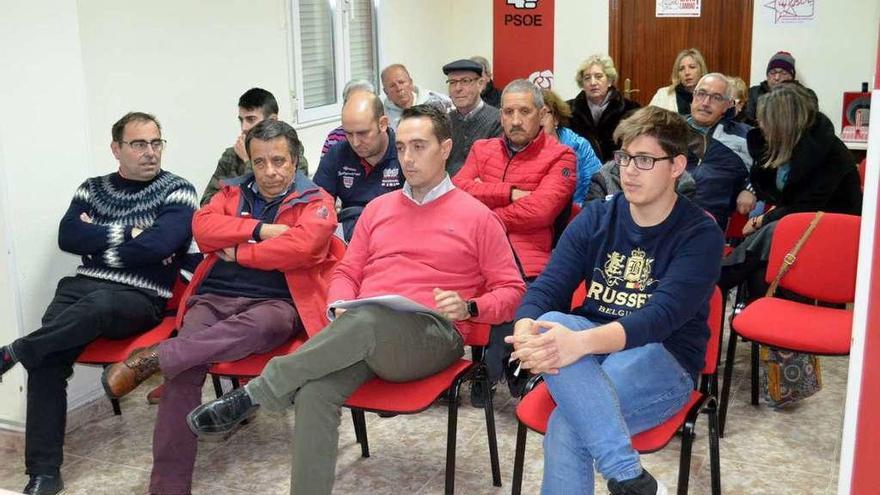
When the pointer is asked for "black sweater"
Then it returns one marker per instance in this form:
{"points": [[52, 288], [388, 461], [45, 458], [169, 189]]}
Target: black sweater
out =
{"points": [[600, 133]]}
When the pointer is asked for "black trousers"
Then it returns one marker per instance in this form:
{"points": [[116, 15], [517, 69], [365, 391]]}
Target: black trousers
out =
{"points": [[82, 310]]}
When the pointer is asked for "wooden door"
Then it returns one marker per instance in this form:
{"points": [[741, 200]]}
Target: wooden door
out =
{"points": [[644, 46]]}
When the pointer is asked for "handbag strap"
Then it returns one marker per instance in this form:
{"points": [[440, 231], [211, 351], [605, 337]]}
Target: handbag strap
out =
{"points": [[791, 256]]}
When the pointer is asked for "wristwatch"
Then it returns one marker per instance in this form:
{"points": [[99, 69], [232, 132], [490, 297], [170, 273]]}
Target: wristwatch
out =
{"points": [[472, 309]]}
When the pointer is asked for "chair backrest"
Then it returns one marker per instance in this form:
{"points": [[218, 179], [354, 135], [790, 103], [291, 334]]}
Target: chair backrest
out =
{"points": [[735, 226], [475, 334], [825, 268], [713, 347]]}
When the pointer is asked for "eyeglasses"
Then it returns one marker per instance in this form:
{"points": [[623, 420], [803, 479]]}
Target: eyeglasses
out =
{"points": [[778, 72], [464, 81], [140, 145], [643, 162], [598, 77], [702, 94]]}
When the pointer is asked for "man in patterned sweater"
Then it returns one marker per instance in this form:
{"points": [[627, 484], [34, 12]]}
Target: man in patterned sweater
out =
{"points": [[131, 228], [472, 118]]}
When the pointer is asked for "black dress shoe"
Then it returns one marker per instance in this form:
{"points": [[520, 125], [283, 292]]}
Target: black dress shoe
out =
{"points": [[217, 419], [44, 484]]}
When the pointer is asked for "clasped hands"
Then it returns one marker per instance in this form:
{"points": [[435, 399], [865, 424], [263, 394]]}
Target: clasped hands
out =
{"points": [[267, 231], [543, 346]]}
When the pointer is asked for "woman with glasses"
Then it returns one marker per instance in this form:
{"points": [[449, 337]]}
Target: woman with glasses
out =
{"points": [[599, 107], [688, 68], [800, 166]]}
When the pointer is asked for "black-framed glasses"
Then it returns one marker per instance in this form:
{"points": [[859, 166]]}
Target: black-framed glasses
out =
{"points": [[716, 98], [643, 162], [140, 145]]}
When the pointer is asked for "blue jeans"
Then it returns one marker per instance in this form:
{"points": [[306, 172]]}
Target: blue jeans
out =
{"points": [[601, 401]]}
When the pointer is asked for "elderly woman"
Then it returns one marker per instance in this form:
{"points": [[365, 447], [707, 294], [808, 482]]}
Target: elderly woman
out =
{"points": [[687, 70], [598, 109], [555, 124], [800, 166]]}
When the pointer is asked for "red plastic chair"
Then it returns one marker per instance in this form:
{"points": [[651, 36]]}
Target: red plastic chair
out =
{"points": [[251, 366], [534, 410], [387, 398], [104, 352], [824, 270]]}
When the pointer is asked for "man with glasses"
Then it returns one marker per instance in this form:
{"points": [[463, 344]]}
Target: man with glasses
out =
{"points": [[722, 171], [627, 357], [780, 70], [365, 165], [254, 106], [401, 93], [472, 118], [131, 229]]}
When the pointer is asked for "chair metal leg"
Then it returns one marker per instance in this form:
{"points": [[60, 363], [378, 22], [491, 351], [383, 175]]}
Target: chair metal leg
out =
{"points": [[684, 465], [728, 378], [218, 387], [490, 429], [360, 430], [451, 434], [714, 449], [519, 459], [755, 365], [235, 382], [116, 409]]}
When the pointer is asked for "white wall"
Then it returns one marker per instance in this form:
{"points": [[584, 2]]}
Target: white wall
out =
{"points": [[836, 53], [45, 156]]}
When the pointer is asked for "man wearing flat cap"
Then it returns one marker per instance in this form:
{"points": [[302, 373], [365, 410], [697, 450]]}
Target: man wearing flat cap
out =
{"points": [[472, 118]]}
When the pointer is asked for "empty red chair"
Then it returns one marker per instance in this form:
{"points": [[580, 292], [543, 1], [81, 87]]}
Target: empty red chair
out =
{"points": [[387, 398], [534, 410], [105, 352]]}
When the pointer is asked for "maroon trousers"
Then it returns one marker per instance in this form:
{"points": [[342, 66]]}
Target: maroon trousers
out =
{"points": [[215, 329]]}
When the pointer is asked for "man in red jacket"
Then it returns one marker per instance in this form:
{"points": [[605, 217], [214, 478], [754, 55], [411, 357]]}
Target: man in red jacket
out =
{"points": [[270, 249], [528, 180], [428, 242]]}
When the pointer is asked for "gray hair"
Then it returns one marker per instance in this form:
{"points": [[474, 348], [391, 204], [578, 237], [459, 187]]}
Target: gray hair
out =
{"points": [[524, 86], [728, 87], [603, 61], [357, 85], [487, 67]]}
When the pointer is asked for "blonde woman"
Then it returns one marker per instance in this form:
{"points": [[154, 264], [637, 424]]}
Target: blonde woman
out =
{"points": [[740, 100], [688, 68], [598, 108]]}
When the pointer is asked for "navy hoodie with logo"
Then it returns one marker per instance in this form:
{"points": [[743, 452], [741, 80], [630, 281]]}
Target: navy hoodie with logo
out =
{"points": [[343, 175], [655, 281]]}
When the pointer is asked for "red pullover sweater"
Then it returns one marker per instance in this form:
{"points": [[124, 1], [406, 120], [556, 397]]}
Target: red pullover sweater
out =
{"points": [[453, 243]]}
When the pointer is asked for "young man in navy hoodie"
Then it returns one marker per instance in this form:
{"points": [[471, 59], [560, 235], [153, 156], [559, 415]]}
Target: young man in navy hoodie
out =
{"points": [[631, 352]]}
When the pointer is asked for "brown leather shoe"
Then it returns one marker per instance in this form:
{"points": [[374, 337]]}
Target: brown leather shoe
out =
{"points": [[121, 378]]}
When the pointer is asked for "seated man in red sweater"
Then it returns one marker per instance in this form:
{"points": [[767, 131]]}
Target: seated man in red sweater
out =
{"points": [[430, 243], [528, 180], [271, 249]]}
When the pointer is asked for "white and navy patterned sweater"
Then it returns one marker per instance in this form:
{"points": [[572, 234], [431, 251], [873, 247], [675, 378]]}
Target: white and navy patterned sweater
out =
{"points": [[162, 208]]}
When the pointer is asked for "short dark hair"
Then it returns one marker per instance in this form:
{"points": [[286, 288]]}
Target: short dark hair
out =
{"points": [[119, 127], [439, 119], [259, 98], [671, 131], [270, 129]]}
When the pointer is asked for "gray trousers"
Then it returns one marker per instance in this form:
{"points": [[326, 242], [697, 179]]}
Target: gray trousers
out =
{"points": [[318, 378]]}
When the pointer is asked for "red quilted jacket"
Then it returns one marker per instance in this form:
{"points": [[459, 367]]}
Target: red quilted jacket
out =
{"points": [[546, 168]]}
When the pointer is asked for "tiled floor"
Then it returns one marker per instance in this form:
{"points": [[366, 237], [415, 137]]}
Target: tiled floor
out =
{"points": [[790, 452]]}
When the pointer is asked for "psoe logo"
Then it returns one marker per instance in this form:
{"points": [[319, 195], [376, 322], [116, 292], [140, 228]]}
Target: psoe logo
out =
{"points": [[523, 4], [789, 11], [542, 79]]}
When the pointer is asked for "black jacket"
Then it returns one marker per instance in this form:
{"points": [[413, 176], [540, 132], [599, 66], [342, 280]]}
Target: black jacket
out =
{"points": [[491, 95], [823, 174], [599, 133]]}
